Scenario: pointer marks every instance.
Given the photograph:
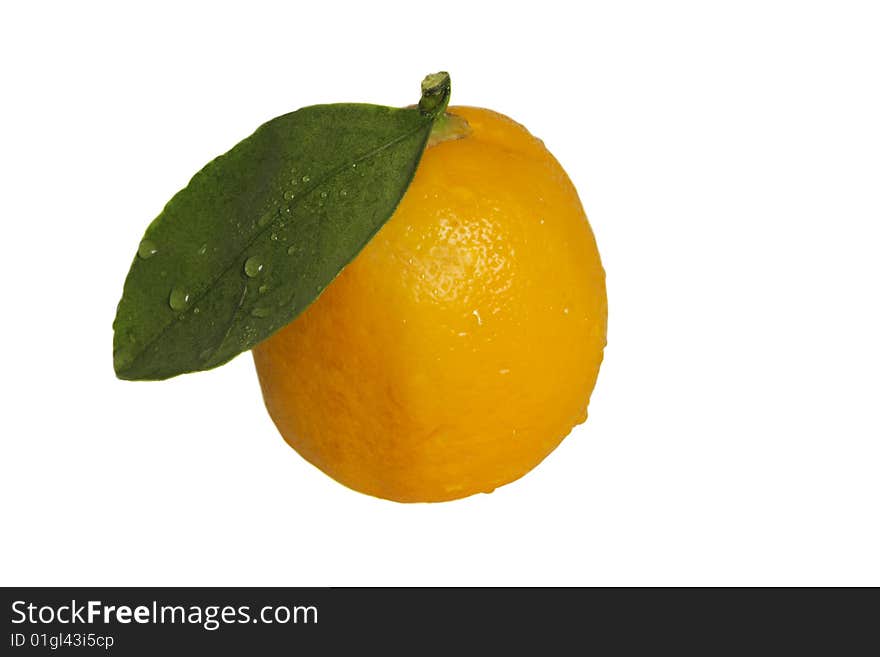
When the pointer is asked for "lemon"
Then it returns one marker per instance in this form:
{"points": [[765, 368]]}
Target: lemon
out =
{"points": [[462, 344]]}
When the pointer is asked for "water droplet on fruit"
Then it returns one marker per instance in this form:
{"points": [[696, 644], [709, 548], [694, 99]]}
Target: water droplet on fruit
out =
{"points": [[253, 266], [178, 299], [146, 249]]}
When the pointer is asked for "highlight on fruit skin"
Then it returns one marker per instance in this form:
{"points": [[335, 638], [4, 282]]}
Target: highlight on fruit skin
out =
{"points": [[462, 344]]}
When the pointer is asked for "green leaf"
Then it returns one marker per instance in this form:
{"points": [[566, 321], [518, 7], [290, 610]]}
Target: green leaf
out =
{"points": [[260, 231]]}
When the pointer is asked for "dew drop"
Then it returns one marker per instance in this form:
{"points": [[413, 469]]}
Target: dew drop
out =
{"points": [[253, 266], [324, 194], [260, 312], [263, 289], [343, 193], [146, 249], [291, 249], [203, 249], [289, 195], [178, 299], [306, 179]]}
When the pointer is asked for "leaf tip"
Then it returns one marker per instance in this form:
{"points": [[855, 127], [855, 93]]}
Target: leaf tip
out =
{"points": [[122, 361]]}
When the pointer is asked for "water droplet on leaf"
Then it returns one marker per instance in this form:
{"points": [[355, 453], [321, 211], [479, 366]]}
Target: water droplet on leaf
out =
{"points": [[178, 299], [253, 266], [146, 249], [260, 312]]}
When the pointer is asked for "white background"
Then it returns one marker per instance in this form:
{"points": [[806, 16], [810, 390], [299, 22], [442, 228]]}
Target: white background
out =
{"points": [[728, 155]]}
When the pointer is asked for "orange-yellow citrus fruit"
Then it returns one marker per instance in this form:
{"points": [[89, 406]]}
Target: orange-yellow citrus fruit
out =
{"points": [[462, 344]]}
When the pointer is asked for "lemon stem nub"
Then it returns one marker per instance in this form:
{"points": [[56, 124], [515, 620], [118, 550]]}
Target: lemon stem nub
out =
{"points": [[435, 93], [436, 89]]}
